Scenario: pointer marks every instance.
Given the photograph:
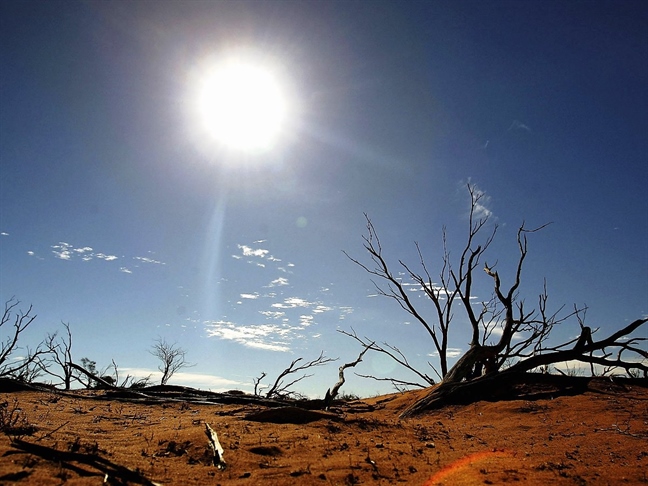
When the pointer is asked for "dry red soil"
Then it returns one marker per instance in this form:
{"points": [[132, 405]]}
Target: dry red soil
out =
{"points": [[598, 436]]}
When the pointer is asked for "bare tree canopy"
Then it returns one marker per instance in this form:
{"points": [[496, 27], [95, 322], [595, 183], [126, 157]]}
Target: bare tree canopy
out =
{"points": [[59, 350], [13, 323], [506, 336], [172, 357]]}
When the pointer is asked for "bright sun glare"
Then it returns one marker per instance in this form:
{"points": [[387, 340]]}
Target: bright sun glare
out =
{"points": [[242, 106]]}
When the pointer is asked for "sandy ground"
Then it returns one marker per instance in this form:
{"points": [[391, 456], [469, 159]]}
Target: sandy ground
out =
{"points": [[596, 437]]}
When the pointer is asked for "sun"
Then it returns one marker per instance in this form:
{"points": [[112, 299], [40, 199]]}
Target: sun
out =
{"points": [[242, 106]]}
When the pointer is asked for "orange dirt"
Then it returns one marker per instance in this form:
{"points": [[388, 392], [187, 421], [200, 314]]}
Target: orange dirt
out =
{"points": [[597, 437]]}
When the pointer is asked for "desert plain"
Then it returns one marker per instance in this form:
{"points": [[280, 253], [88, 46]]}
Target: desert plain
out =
{"points": [[537, 435]]}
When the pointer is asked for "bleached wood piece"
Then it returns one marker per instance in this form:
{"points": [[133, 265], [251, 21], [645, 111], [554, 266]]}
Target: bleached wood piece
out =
{"points": [[216, 447]]}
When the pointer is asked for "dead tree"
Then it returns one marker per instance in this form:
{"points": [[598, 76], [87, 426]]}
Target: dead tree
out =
{"points": [[331, 393], [454, 285], [172, 357], [488, 358], [280, 388], [257, 383], [12, 324], [59, 350]]}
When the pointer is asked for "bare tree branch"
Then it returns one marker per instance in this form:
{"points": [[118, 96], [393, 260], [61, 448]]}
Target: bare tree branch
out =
{"points": [[25, 368], [392, 351], [280, 389]]}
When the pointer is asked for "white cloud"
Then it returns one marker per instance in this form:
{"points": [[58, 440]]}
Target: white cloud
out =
{"points": [[450, 353], [66, 251], [499, 330], [108, 258], [272, 314], [286, 270], [306, 320], [250, 296], [247, 251], [291, 303], [321, 308], [62, 251], [278, 282], [263, 336], [4, 234], [482, 211], [149, 260]]}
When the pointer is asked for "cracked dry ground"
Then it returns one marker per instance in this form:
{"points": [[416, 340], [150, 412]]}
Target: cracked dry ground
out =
{"points": [[596, 437]]}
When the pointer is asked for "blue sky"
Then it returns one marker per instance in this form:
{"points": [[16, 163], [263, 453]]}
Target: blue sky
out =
{"points": [[119, 217]]}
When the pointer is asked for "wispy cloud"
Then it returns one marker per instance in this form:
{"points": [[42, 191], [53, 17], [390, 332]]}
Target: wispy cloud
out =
{"points": [[345, 311], [4, 234], [306, 320], [322, 308], [451, 353], [270, 337], [69, 252], [149, 260], [66, 251], [518, 125], [285, 314], [291, 303]]}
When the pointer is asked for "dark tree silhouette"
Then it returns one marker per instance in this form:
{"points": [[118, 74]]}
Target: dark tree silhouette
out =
{"points": [[505, 314], [12, 324], [172, 357], [59, 349]]}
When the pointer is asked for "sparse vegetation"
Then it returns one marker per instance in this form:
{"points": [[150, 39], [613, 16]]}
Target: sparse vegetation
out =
{"points": [[13, 419]]}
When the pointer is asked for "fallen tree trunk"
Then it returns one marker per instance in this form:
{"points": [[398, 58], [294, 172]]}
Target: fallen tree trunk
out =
{"points": [[92, 376], [452, 390]]}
